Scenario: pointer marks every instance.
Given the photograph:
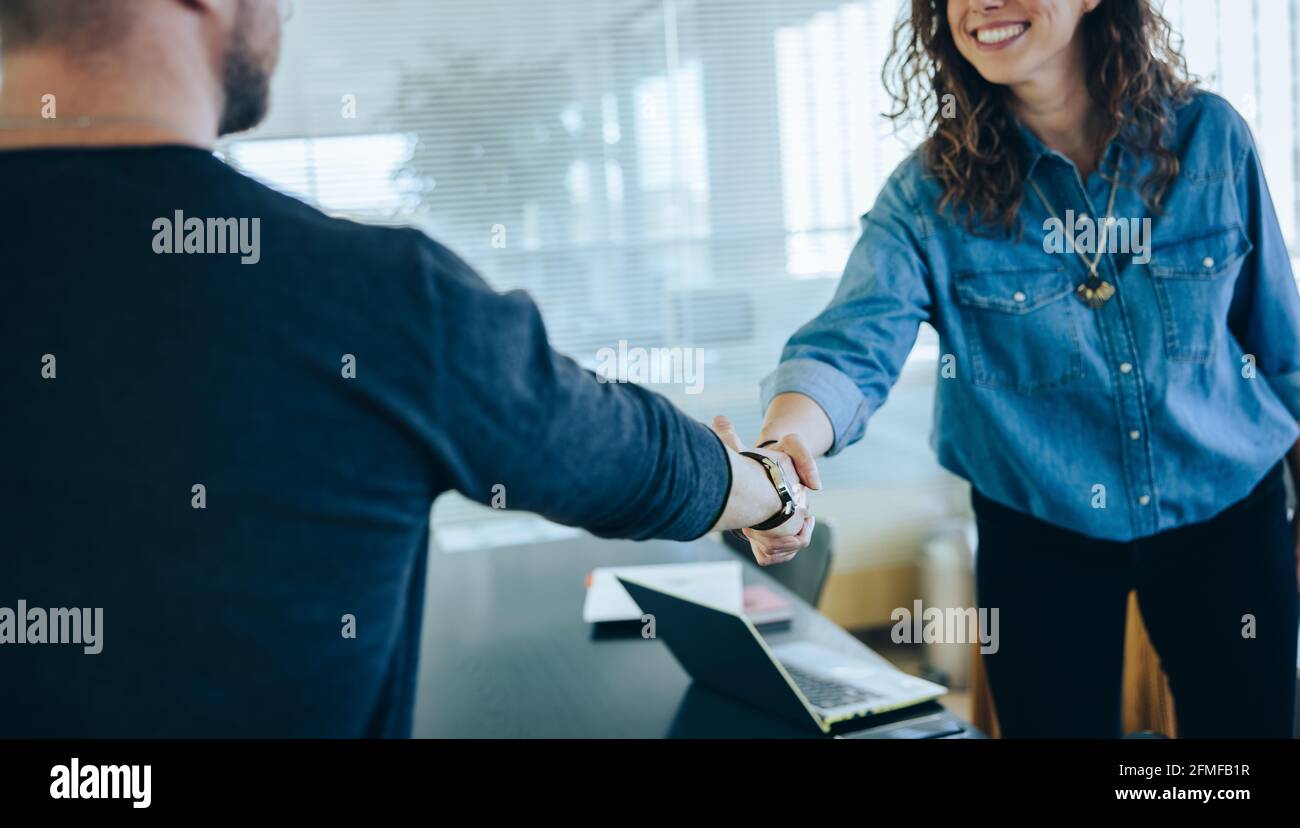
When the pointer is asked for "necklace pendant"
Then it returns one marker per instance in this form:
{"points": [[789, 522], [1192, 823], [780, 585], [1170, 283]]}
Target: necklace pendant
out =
{"points": [[1095, 292]]}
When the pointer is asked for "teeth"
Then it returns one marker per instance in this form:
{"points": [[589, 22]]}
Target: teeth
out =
{"points": [[1001, 34]]}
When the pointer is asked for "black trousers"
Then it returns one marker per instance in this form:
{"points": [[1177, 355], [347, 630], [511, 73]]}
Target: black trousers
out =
{"points": [[1218, 598]]}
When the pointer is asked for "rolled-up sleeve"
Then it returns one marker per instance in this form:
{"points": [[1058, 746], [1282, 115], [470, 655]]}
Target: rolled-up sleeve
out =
{"points": [[1265, 312], [850, 355]]}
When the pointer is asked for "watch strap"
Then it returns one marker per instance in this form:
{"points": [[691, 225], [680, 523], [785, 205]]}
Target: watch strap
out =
{"points": [[777, 479]]}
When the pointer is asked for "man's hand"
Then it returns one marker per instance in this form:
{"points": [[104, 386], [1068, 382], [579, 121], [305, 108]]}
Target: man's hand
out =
{"points": [[783, 542]]}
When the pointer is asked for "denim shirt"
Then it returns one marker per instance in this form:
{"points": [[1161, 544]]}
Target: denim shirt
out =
{"points": [[1159, 409]]}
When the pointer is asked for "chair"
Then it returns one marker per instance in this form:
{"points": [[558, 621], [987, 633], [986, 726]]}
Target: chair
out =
{"points": [[806, 575], [1148, 704]]}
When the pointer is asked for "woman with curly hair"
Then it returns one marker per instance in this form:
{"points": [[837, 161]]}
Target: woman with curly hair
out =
{"points": [[1093, 239]]}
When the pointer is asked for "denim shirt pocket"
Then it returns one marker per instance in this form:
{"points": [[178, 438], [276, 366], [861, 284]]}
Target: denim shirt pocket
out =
{"points": [[1020, 327], [1193, 281]]}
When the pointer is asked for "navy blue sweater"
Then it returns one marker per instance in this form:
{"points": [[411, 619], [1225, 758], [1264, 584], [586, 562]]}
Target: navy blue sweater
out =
{"points": [[228, 458]]}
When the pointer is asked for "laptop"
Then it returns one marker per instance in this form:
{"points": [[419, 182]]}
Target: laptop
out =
{"points": [[799, 681]]}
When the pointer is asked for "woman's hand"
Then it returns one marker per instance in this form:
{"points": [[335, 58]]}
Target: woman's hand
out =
{"points": [[781, 543], [796, 448]]}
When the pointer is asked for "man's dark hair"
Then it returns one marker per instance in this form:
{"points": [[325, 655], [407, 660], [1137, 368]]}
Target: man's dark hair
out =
{"points": [[74, 24]]}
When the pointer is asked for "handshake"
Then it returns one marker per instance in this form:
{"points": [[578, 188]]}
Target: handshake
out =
{"points": [[756, 500]]}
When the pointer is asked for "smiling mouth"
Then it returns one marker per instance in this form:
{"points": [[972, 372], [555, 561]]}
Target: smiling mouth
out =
{"points": [[999, 35]]}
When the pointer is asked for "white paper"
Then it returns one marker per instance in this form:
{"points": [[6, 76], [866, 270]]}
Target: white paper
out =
{"points": [[717, 584]]}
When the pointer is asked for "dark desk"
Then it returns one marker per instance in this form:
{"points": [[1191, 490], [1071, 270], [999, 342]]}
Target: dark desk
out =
{"points": [[505, 652]]}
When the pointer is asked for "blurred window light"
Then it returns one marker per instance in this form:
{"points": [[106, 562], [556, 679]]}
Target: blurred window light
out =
{"points": [[357, 175]]}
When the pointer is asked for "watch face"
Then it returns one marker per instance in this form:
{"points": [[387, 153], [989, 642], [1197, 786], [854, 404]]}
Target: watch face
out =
{"points": [[777, 478], [774, 472]]}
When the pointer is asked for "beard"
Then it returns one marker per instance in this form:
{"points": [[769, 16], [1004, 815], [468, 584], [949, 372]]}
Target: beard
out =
{"points": [[246, 70]]}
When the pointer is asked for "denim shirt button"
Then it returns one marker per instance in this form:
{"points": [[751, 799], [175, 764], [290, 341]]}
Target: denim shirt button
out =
{"points": [[1125, 367], [1019, 296], [1208, 262], [1144, 500], [1135, 435]]}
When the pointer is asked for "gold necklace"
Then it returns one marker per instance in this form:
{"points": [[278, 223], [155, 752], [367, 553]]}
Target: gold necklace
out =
{"points": [[1095, 291]]}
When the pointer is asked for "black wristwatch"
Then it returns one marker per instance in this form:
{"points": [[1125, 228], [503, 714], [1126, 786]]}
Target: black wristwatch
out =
{"points": [[777, 477]]}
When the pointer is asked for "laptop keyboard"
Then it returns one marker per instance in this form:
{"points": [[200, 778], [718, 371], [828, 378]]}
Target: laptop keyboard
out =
{"points": [[827, 694]]}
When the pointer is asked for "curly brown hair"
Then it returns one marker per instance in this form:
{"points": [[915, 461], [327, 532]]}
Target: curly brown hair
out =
{"points": [[1134, 73]]}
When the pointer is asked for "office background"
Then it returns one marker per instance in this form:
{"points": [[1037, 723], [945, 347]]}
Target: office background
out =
{"points": [[676, 173]]}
